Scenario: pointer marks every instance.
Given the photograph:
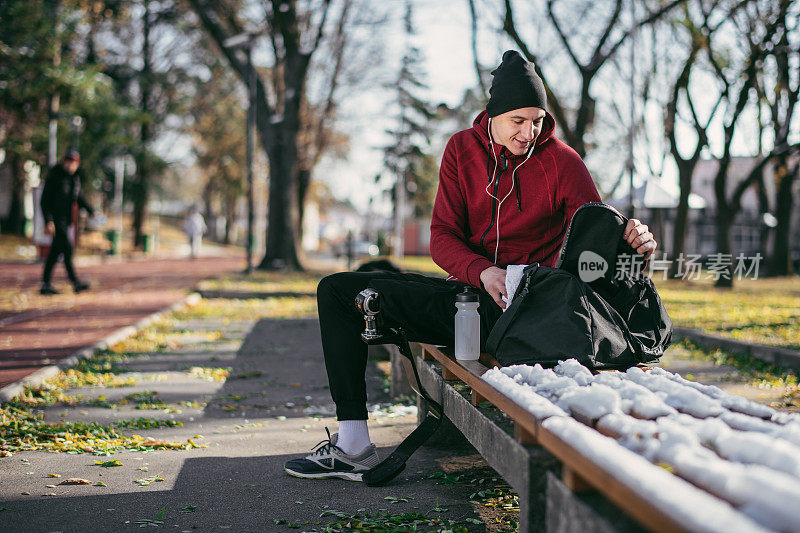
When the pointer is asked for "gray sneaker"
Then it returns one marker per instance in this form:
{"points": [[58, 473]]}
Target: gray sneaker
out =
{"points": [[329, 461]]}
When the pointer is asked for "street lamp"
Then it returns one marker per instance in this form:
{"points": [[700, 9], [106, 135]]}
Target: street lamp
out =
{"points": [[245, 42]]}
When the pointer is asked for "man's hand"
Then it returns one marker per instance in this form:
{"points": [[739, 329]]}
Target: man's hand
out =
{"points": [[50, 228], [639, 237], [494, 282]]}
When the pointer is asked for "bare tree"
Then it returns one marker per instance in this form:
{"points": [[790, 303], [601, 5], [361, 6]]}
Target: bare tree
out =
{"points": [[479, 72], [318, 134], [612, 35], [761, 25], [779, 90], [284, 118], [686, 165], [141, 186]]}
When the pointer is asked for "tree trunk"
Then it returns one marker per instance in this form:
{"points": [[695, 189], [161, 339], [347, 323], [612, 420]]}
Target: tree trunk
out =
{"points": [[282, 244], [726, 211], [724, 223], [781, 262], [278, 133], [765, 231], [139, 204], [229, 218], [208, 210], [283, 232], [303, 181], [685, 171], [584, 119], [141, 188], [14, 222]]}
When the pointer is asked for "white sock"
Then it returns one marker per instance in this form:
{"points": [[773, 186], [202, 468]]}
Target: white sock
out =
{"points": [[353, 436]]}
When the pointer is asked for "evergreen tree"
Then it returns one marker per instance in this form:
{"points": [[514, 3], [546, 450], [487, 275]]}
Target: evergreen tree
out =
{"points": [[406, 158], [47, 73]]}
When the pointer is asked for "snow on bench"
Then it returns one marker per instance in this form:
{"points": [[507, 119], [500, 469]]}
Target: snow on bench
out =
{"points": [[743, 456]]}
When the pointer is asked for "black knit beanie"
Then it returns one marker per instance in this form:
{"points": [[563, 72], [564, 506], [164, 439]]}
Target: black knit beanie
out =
{"points": [[515, 85]]}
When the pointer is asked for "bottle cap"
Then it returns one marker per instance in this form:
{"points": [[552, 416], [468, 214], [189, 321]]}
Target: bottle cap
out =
{"points": [[467, 296]]}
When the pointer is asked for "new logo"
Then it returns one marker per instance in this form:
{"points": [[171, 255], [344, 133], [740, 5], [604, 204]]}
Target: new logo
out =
{"points": [[591, 266]]}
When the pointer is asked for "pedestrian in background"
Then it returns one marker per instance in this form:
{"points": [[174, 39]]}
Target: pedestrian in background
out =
{"points": [[62, 190], [194, 227]]}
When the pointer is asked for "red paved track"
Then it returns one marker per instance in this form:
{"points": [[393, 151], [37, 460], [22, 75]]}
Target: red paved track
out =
{"points": [[121, 295]]}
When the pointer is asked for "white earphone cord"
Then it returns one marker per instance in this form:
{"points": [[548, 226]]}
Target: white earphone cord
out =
{"points": [[513, 173]]}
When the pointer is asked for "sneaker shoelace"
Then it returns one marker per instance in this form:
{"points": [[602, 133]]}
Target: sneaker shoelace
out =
{"points": [[324, 446]]}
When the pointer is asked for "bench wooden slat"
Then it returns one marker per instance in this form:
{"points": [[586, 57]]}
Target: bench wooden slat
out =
{"points": [[623, 496]]}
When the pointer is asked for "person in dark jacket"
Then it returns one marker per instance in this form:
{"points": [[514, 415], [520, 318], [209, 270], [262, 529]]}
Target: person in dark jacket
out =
{"points": [[62, 190], [507, 191]]}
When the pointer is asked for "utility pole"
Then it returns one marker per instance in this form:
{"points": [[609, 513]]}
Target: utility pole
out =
{"points": [[53, 105], [399, 215], [245, 41], [251, 124], [631, 208]]}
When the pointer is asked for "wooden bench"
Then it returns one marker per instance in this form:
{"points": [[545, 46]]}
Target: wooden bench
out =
{"points": [[559, 488]]}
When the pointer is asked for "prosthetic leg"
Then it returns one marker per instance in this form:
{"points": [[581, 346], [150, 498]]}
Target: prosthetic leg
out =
{"points": [[368, 303]]}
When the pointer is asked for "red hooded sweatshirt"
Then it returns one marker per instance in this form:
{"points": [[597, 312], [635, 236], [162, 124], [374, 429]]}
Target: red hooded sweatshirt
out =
{"points": [[533, 217]]}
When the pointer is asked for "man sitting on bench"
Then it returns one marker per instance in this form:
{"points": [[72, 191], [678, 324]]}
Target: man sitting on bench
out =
{"points": [[507, 191]]}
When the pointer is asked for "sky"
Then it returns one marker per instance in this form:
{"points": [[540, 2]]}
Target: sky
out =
{"points": [[444, 38]]}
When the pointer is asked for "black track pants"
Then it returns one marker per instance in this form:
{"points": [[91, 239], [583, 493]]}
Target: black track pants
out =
{"points": [[60, 246], [423, 306]]}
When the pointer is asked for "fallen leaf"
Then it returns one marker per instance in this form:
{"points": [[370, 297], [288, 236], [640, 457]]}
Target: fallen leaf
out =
{"points": [[26, 493], [53, 475], [99, 484], [147, 480], [75, 481], [114, 462]]}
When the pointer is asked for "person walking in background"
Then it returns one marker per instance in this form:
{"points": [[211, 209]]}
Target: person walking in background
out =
{"points": [[62, 190], [194, 227]]}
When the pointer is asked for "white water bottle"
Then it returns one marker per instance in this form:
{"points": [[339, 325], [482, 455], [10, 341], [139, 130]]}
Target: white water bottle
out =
{"points": [[468, 326]]}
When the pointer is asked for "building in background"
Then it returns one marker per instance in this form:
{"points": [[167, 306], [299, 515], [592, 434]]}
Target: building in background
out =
{"points": [[656, 205]]}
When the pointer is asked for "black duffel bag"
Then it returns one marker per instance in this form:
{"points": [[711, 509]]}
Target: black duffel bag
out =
{"points": [[614, 319]]}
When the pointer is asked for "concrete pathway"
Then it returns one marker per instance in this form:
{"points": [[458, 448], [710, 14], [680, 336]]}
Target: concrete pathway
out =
{"points": [[274, 406]]}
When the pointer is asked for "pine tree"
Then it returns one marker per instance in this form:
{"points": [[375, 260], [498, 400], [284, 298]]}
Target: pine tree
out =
{"points": [[406, 158]]}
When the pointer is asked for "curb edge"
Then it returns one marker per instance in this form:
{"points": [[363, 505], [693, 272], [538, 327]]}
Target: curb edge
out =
{"points": [[37, 377], [775, 355]]}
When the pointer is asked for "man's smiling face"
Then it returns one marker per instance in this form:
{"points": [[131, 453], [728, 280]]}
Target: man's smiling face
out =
{"points": [[517, 129]]}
